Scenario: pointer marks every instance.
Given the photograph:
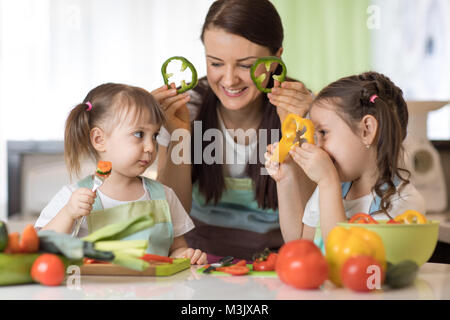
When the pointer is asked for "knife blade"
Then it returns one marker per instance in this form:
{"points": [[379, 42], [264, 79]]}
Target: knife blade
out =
{"points": [[222, 262]]}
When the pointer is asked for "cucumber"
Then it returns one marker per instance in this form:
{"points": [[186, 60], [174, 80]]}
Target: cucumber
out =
{"points": [[16, 268], [3, 236], [401, 274]]}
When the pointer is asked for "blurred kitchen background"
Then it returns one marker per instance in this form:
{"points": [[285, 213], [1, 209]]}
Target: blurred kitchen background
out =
{"points": [[52, 52]]}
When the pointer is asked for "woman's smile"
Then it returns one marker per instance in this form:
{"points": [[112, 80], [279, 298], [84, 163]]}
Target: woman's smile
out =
{"points": [[233, 93]]}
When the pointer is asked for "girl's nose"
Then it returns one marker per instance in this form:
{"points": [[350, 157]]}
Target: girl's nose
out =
{"points": [[149, 146]]}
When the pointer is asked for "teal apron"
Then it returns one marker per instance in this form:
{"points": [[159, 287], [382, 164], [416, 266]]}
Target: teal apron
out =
{"points": [[374, 207], [234, 226], [159, 235]]}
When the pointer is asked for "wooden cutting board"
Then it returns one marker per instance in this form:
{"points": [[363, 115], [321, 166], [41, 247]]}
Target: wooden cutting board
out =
{"points": [[156, 269]]}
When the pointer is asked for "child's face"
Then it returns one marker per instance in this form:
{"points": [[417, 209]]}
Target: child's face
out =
{"points": [[345, 147], [229, 58], [131, 146]]}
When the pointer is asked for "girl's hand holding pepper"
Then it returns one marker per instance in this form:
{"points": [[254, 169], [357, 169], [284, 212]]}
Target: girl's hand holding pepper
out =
{"points": [[314, 161], [290, 97], [278, 171], [174, 107]]}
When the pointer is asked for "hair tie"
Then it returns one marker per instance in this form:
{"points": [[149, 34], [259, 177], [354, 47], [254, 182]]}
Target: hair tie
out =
{"points": [[89, 106], [373, 97]]}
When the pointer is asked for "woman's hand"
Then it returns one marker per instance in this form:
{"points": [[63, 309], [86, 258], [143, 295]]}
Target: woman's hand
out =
{"points": [[290, 97], [278, 171], [314, 161], [80, 203], [174, 107]]}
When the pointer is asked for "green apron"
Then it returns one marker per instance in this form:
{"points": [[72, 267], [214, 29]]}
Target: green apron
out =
{"points": [[159, 235], [235, 225]]}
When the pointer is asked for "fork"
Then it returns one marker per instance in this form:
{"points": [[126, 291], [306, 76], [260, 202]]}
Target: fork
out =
{"points": [[98, 181]]}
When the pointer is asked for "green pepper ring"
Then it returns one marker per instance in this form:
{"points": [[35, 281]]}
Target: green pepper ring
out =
{"points": [[185, 64], [268, 62]]}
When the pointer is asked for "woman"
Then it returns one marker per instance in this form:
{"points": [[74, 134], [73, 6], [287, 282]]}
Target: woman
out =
{"points": [[232, 202]]}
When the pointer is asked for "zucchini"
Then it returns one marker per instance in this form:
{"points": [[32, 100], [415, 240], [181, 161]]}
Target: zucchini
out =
{"points": [[3, 236], [16, 268], [401, 274]]}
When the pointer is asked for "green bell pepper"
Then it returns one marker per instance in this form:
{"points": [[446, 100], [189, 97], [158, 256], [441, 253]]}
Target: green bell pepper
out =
{"points": [[267, 61], [184, 65]]}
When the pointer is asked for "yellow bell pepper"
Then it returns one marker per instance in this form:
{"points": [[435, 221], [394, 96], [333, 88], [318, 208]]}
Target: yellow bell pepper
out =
{"points": [[343, 243], [411, 217], [291, 125]]}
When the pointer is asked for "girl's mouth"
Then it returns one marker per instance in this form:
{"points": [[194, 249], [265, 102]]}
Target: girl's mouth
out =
{"points": [[233, 92], [144, 163]]}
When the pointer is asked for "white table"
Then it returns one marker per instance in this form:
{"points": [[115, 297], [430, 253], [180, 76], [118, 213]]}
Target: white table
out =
{"points": [[433, 282]]}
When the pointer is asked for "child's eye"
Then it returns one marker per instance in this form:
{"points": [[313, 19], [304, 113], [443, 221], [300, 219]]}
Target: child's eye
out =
{"points": [[155, 135], [139, 134], [322, 132]]}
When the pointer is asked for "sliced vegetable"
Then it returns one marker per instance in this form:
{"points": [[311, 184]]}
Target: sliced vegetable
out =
{"points": [[267, 61], [411, 217], [120, 230], [294, 129], [48, 269], [115, 245], [363, 218], [29, 241], [234, 270], [185, 63], [265, 261], [154, 257], [392, 221], [103, 168]]}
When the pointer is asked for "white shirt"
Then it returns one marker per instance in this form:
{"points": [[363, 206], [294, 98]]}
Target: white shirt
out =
{"points": [[409, 198], [236, 155], [181, 221]]}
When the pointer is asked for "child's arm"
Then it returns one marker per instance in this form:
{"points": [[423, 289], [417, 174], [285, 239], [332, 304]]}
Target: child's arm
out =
{"points": [[80, 204], [293, 191], [179, 249], [317, 164]]}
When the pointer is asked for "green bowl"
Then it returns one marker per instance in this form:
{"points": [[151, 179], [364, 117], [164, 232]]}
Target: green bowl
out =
{"points": [[414, 242]]}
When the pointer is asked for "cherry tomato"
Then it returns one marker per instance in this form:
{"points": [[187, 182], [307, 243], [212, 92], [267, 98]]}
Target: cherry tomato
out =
{"points": [[48, 269], [266, 265], [359, 273], [300, 263]]}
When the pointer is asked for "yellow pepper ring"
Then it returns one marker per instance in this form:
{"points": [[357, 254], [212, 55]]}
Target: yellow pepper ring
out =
{"points": [[291, 125], [411, 217]]}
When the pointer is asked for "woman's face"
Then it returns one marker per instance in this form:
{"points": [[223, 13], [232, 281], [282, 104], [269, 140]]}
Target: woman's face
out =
{"points": [[229, 58]]}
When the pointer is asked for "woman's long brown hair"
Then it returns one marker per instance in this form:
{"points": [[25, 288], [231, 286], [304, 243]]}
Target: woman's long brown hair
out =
{"points": [[259, 22], [352, 96]]}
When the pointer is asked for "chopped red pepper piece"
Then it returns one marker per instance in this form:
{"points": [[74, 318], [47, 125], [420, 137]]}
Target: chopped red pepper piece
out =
{"points": [[154, 257], [362, 218], [392, 221], [234, 270]]}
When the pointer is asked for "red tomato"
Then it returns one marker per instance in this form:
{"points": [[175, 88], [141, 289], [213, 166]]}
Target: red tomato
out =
{"points": [[48, 269], [266, 265], [300, 263], [362, 273]]}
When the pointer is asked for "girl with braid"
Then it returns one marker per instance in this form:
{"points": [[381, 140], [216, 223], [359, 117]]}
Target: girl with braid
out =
{"points": [[360, 123]]}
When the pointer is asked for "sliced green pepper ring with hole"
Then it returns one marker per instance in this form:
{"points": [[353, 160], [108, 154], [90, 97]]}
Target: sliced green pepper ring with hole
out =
{"points": [[185, 63], [267, 61]]}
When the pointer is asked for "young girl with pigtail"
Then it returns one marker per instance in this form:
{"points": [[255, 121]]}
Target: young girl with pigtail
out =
{"points": [[360, 123], [119, 123]]}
